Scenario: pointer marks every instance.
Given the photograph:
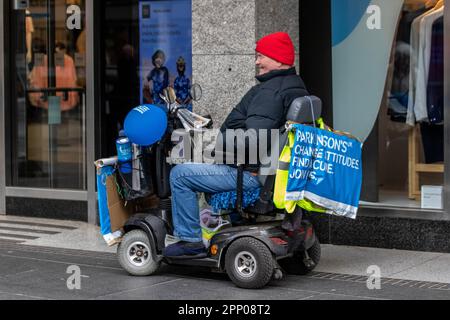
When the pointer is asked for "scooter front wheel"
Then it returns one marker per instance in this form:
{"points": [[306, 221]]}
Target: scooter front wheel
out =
{"points": [[136, 254], [249, 263]]}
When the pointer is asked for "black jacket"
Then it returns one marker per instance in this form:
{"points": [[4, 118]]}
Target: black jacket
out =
{"points": [[263, 107]]}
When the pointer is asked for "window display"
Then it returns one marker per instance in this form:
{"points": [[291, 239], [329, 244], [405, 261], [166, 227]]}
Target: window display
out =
{"points": [[388, 63], [415, 99]]}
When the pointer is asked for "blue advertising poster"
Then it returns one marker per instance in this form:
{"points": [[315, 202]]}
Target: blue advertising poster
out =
{"points": [[165, 49]]}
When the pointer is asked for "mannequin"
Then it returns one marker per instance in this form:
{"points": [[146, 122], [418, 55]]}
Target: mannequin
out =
{"points": [[66, 77]]}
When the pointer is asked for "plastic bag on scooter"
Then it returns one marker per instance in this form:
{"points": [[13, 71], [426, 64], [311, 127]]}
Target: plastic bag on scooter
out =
{"points": [[210, 222], [138, 183]]}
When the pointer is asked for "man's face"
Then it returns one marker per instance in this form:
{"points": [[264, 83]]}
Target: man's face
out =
{"points": [[266, 64]]}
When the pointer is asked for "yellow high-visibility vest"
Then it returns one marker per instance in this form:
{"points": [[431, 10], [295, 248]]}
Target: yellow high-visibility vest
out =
{"points": [[282, 176]]}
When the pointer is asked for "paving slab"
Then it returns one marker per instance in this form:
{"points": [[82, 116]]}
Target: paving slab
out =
{"points": [[392, 263], [11, 297], [353, 289], [434, 270], [203, 289], [329, 296], [41, 273], [85, 237], [48, 279], [83, 242], [65, 234]]}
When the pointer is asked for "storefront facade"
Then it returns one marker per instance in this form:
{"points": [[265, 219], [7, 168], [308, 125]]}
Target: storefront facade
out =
{"points": [[55, 128], [364, 59], [47, 114], [48, 163]]}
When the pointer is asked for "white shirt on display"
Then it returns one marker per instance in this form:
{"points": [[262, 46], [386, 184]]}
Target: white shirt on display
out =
{"points": [[423, 64]]}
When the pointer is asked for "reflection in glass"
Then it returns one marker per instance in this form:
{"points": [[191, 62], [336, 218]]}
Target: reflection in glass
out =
{"points": [[48, 113]]}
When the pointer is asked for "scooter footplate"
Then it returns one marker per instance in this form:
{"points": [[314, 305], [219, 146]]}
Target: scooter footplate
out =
{"points": [[198, 256]]}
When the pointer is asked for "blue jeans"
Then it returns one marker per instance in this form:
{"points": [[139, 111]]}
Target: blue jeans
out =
{"points": [[188, 179]]}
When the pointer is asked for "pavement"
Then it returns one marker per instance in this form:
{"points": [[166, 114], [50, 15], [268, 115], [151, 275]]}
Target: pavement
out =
{"points": [[36, 255]]}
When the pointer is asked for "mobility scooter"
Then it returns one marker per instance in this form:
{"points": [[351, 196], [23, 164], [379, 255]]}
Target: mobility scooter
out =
{"points": [[253, 252]]}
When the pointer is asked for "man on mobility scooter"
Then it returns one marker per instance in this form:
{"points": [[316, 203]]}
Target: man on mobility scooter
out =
{"points": [[249, 253], [263, 107]]}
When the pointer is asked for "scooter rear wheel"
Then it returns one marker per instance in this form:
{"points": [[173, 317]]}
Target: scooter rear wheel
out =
{"points": [[249, 263], [136, 254], [296, 265]]}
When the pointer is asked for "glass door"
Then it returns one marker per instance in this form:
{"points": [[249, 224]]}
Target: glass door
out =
{"points": [[48, 109]]}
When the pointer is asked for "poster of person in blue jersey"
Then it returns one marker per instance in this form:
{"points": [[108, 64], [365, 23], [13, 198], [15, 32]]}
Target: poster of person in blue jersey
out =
{"points": [[165, 50], [182, 85]]}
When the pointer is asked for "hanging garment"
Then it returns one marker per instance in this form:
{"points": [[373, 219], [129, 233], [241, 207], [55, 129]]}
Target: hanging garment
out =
{"points": [[435, 87], [326, 169], [423, 64], [414, 57], [404, 28], [398, 100], [433, 142]]}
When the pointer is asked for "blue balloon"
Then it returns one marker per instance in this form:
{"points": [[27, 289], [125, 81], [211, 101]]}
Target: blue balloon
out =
{"points": [[145, 125]]}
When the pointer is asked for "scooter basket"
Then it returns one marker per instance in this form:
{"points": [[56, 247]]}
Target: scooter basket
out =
{"points": [[138, 183]]}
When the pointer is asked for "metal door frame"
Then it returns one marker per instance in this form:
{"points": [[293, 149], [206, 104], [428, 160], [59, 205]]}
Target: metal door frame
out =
{"points": [[52, 194], [447, 110], [2, 114]]}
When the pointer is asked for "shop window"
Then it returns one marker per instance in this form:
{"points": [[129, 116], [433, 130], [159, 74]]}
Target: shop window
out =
{"points": [[147, 46], [388, 60], [48, 142]]}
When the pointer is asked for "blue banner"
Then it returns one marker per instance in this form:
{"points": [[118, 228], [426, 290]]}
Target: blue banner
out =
{"points": [[165, 49], [325, 168], [103, 211]]}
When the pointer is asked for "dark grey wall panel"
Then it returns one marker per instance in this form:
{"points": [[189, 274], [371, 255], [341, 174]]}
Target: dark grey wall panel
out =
{"points": [[43, 208]]}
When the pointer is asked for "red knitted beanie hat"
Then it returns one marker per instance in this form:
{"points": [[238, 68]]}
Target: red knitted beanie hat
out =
{"points": [[277, 46]]}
